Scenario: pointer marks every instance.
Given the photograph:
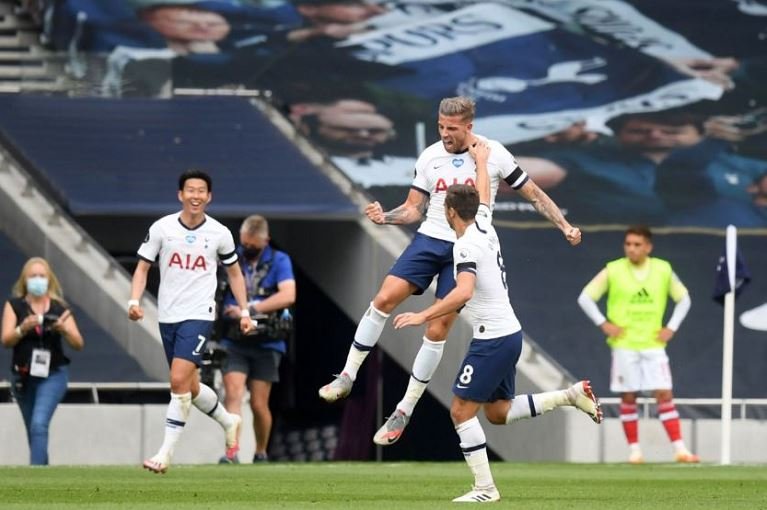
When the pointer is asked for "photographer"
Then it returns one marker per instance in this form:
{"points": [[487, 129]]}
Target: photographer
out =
{"points": [[255, 358], [35, 320]]}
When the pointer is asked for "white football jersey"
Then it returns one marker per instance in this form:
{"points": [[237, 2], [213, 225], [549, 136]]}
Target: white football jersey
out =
{"points": [[437, 169], [188, 260], [479, 251]]}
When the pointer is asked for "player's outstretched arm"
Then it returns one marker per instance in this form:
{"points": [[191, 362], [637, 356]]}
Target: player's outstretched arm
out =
{"points": [[549, 210], [411, 211], [480, 151], [459, 296]]}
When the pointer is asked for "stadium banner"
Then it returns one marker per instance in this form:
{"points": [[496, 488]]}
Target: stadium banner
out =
{"points": [[583, 92], [619, 21], [529, 77]]}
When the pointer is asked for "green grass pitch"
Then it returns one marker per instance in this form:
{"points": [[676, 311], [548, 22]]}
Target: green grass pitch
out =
{"points": [[386, 485]]}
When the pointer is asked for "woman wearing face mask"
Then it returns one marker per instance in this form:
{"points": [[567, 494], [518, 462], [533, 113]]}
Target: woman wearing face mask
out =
{"points": [[35, 320]]}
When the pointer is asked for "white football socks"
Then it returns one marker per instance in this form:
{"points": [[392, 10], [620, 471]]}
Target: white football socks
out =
{"points": [[532, 405], [425, 364], [365, 338], [474, 447], [175, 419], [207, 402]]}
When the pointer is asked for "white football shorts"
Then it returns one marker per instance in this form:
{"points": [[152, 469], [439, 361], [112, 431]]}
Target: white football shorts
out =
{"points": [[640, 371]]}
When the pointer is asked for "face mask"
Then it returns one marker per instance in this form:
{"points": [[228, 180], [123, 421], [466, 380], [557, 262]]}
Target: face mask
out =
{"points": [[37, 285], [251, 253]]}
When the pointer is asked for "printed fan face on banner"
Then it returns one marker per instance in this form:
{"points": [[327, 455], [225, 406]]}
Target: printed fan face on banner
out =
{"points": [[362, 80], [528, 77]]}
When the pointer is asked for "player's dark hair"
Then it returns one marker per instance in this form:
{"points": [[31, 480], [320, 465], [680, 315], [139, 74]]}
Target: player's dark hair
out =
{"points": [[194, 174], [639, 230], [464, 199]]}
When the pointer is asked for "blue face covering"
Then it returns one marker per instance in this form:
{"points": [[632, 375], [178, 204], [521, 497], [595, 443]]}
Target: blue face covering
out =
{"points": [[37, 285]]}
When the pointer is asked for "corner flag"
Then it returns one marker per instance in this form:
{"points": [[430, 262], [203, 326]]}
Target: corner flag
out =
{"points": [[722, 281], [731, 276]]}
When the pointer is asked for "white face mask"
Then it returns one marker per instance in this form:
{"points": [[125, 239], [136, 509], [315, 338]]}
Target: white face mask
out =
{"points": [[37, 285]]}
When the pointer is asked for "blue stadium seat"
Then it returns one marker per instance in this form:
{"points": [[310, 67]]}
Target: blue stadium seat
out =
{"points": [[123, 157]]}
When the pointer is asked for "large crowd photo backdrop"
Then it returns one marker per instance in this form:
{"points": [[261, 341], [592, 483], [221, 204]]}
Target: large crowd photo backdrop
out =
{"points": [[624, 111]]}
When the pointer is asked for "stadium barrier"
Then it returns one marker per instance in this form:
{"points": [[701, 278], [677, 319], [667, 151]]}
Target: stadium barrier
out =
{"points": [[122, 423], [95, 431]]}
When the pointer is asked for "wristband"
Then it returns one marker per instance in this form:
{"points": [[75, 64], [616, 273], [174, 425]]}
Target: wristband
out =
{"points": [[19, 332], [245, 313], [133, 302]]}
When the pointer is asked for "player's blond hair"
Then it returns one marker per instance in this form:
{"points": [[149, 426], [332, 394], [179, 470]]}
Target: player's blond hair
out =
{"points": [[255, 225], [459, 106]]}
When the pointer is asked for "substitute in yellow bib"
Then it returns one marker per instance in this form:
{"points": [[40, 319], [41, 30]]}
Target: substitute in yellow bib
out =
{"points": [[638, 287]]}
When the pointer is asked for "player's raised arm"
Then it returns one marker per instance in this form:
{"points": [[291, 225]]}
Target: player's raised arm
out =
{"points": [[480, 151], [411, 211], [549, 210]]}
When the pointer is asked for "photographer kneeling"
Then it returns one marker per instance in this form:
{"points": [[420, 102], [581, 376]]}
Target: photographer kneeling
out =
{"points": [[255, 359], [35, 320]]}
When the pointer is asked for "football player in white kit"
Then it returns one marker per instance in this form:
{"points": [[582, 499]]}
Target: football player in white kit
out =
{"points": [[430, 253], [189, 245], [486, 376]]}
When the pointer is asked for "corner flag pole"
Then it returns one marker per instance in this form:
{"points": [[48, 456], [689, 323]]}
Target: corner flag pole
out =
{"points": [[727, 345]]}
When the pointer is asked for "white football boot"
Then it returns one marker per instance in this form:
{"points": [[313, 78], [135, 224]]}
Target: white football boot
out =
{"points": [[476, 495], [582, 397], [338, 388]]}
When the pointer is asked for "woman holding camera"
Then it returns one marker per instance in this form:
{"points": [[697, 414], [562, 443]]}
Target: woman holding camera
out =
{"points": [[35, 320]]}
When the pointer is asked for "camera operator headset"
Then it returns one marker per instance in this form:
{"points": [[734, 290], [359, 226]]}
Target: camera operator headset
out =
{"points": [[35, 320], [255, 359]]}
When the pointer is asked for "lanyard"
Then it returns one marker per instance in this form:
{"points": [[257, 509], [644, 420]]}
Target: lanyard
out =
{"points": [[39, 327]]}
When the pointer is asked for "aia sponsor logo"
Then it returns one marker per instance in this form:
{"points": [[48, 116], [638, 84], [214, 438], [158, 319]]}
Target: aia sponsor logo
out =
{"points": [[443, 184], [187, 261]]}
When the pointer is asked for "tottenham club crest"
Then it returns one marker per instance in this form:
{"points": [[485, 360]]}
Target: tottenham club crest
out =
{"points": [[498, 88]]}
